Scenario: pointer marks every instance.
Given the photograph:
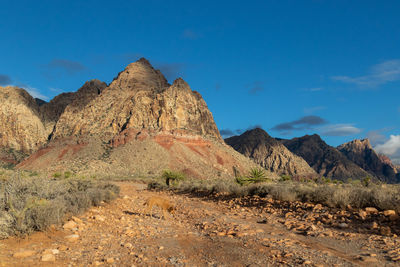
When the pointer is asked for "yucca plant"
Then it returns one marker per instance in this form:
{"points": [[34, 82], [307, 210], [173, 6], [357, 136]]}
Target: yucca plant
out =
{"points": [[255, 175], [172, 177]]}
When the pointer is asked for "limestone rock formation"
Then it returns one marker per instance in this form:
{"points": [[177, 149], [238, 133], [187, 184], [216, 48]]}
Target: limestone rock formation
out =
{"points": [[324, 159], [361, 153], [73, 102], [270, 154], [21, 127], [139, 125], [139, 98]]}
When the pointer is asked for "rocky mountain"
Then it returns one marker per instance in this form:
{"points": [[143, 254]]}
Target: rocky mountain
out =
{"points": [[140, 98], [137, 125], [21, 127], [361, 153], [324, 159], [269, 153]]}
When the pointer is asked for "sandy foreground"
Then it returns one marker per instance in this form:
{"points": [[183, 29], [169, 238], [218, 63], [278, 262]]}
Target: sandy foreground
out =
{"points": [[209, 232]]}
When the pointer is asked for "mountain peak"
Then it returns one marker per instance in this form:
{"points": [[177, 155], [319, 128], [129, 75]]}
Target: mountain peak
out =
{"points": [[269, 153], [140, 75]]}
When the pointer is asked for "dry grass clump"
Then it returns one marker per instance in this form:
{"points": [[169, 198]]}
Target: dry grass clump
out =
{"points": [[34, 203], [382, 197]]}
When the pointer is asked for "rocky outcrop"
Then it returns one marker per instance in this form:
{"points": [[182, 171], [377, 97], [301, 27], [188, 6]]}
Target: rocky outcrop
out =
{"points": [[72, 102], [138, 125], [324, 159], [270, 154], [361, 153], [139, 98], [21, 127]]}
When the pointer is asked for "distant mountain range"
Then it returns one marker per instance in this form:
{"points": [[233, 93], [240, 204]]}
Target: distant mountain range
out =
{"points": [[353, 160], [139, 124]]}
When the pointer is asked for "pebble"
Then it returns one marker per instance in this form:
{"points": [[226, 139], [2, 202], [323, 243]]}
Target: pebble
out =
{"points": [[72, 238], [24, 254], [48, 257], [70, 225]]}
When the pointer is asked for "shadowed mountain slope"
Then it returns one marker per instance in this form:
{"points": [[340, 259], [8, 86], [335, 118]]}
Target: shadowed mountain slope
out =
{"points": [[270, 154], [361, 153], [324, 159]]}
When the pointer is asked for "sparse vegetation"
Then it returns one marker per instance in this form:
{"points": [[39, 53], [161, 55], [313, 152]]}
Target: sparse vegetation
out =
{"points": [[336, 195], [255, 175], [172, 177], [33, 203]]}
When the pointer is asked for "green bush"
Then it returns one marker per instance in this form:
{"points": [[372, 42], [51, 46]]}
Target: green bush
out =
{"points": [[172, 177], [33, 203], [255, 175], [57, 175], [286, 178]]}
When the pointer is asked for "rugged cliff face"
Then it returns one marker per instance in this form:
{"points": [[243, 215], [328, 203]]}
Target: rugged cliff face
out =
{"points": [[139, 98], [324, 159], [21, 128], [361, 153], [269, 153], [138, 125]]}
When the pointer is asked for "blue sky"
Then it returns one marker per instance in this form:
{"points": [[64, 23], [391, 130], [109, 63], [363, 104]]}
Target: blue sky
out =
{"points": [[292, 67]]}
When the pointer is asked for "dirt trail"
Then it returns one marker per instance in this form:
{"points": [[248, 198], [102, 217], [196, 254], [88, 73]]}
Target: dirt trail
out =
{"points": [[202, 233]]}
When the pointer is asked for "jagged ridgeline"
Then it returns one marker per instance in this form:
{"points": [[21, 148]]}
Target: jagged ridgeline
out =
{"points": [[139, 124]]}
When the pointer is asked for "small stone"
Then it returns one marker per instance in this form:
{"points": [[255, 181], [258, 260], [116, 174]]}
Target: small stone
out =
{"points": [[363, 214], [368, 259], [371, 210], [72, 238], [99, 218], [97, 263], [374, 225], [388, 213], [24, 254], [110, 260], [70, 225], [307, 262], [343, 225], [48, 257], [77, 220], [385, 230], [62, 248], [160, 247]]}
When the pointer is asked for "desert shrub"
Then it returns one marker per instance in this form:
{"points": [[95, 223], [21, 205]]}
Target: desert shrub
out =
{"points": [[57, 175], [67, 174], [172, 177], [255, 175], [28, 204], [286, 178], [366, 181]]}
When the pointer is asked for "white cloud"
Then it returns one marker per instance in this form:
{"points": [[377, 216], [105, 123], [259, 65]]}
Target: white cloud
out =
{"points": [[340, 130], [35, 93], [376, 137], [391, 147], [382, 73]]}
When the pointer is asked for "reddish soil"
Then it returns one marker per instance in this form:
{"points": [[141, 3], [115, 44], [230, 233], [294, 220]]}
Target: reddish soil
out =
{"points": [[207, 232]]}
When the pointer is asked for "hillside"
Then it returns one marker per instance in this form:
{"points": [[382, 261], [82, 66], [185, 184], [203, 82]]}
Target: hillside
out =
{"points": [[324, 159], [361, 153], [270, 154], [138, 125]]}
